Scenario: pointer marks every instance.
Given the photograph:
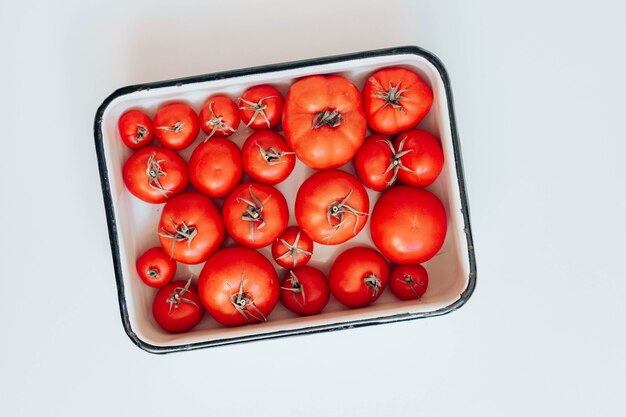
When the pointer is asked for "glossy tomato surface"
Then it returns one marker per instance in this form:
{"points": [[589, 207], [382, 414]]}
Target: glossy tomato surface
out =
{"points": [[176, 125], [323, 120], [155, 174], [136, 129], [408, 282], [358, 276], [331, 207], [424, 160], [408, 225], [238, 286], [190, 228], [305, 290], [155, 267], [215, 167], [255, 214], [261, 107], [293, 248], [267, 158], [395, 99], [219, 116], [177, 307]]}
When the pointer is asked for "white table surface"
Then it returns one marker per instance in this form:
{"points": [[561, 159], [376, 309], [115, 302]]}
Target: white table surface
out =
{"points": [[539, 90]]}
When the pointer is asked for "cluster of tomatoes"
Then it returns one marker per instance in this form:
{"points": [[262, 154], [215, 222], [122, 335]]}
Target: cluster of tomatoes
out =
{"points": [[324, 119]]}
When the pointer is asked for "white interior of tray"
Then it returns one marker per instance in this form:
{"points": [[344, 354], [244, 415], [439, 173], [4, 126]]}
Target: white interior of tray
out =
{"points": [[137, 221]]}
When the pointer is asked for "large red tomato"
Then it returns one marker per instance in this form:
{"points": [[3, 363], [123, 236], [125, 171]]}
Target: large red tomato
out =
{"points": [[176, 125], [408, 282], [154, 174], [408, 225], [395, 99], [261, 107], [219, 116], [378, 162], [323, 120], [255, 214], [177, 307], [238, 286], [267, 158], [331, 207], [155, 267], [190, 228], [423, 160], [305, 291], [293, 248], [136, 129], [358, 277], [215, 167]]}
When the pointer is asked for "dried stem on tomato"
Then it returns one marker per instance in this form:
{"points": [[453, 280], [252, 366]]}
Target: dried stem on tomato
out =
{"points": [[338, 211], [258, 108], [176, 298], [408, 280], [396, 160], [374, 283], [272, 155], [253, 213], [296, 288], [327, 118], [154, 171], [142, 132], [176, 127], [293, 250], [182, 233], [392, 96], [243, 303], [217, 123]]}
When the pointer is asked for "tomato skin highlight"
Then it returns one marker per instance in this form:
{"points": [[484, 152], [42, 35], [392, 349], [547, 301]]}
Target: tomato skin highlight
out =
{"points": [[151, 167], [408, 282], [219, 117], [176, 126], [311, 293], [155, 268], [215, 167], [195, 211], [316, 198], [181, 316], [350, 273], [233, 271], [323, 120], [267, 158], [413, 101], [408, 225], [261, 107], [424, 163], [136, 129], [292, 258]]}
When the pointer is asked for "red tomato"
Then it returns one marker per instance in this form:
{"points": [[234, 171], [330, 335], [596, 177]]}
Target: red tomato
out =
{"points": [[177, 307], [331, 207], [155, 175], [395, 99], [408, 282], [378, 162], [238, 286], [260, 107], [408, 225], [136, 129], [305, 291], [324, 121], [219, 117], [255, 214], [293, 248], [423, 160], [358, 277], [190, 228], [267, 158], [215, 167], [177, 125], [155, 268]]}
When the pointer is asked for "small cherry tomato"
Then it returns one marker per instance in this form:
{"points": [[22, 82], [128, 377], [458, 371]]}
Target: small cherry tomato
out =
{"points": [[378, 162], [305, 291], [422, 158], [215, 167], [136, 129], [267, 158], [177, 307], [155, 174], [255, 214], [293, 248], [358, 277], [395, 99], [176, 126], [155, 268], [408, 282], [261, 107], [219, 116]]}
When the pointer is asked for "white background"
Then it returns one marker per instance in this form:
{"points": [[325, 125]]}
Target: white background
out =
{"points": [[539, 90]]}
